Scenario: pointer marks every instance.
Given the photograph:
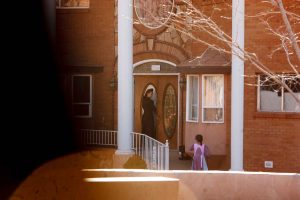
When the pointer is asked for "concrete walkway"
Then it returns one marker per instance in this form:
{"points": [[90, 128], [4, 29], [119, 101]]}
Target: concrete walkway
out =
{"points": [[214, 162], [176, 164]]}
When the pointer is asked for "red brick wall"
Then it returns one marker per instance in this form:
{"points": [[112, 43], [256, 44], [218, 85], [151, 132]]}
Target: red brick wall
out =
{"points": [[268, 137], [86, 38]]}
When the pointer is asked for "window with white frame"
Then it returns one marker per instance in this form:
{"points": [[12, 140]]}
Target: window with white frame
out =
{"points": [[72, 3], [213, 98], [192, 97], [272, 97], [82, 95]]}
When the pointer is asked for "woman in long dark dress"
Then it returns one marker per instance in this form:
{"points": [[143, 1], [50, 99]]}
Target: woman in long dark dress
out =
{"points": [[148, 116]]}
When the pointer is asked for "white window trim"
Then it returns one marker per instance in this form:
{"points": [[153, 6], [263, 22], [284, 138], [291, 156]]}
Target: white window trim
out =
{"points": [[91, 99], [75, 7], [212, 122], [258, 95], [282, 110], [188, 99]]}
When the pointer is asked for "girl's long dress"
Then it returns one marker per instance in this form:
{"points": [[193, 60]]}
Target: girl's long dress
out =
{"points": [[199, 162]]}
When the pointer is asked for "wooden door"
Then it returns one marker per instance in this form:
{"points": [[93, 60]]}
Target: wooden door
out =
{"points": [[166, 92]]}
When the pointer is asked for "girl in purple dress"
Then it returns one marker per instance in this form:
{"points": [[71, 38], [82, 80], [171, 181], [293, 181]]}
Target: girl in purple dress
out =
{"points": [[200, 152]]}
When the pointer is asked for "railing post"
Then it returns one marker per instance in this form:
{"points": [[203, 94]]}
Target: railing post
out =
{"points": [[167, 155], [147, 152], [143, 147]]}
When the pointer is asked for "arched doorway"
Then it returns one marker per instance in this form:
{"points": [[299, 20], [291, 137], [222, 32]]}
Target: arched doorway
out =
{"points": [[163, 78]]}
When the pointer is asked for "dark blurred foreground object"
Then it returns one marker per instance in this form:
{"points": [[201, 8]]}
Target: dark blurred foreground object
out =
{"points": [[35, 125]]}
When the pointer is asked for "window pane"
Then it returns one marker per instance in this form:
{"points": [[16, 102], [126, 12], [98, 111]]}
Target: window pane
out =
{"points": [[270, 95], [81, 89], [290, 104], [213, 114], [193, 98], [153, 13], [213, 91], [170, 111], [81, 110], [74, 3]]}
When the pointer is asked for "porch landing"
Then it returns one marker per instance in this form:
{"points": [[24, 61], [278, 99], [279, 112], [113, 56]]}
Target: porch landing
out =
{"points": [[214, 162]]}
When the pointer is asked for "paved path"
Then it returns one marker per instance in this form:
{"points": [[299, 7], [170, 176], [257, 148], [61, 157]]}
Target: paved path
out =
{"points": [[176, 164]]}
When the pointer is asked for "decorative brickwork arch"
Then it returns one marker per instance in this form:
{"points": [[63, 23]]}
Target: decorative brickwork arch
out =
{"points": [[156, 56], [158, 47], [159, 50], [153, 60]]}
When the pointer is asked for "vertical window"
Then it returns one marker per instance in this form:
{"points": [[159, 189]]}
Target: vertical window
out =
{"points": [[170, 110], [72, 3], [82, 95], [192, 98], [213, 98], [272, 97]]}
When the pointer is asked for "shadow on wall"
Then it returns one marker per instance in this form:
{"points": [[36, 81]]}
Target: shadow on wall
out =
{"points": [[135, 162]]}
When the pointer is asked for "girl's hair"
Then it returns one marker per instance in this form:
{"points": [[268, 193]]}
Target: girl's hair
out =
{"points": [[148, 91], [199, 138]]}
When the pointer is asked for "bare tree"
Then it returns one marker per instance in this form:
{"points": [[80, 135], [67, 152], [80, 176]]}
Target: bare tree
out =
{"points": [[193, 22]]}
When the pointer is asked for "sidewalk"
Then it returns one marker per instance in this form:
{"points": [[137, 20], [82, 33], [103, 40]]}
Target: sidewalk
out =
{"points": [[176, 164], [214, 162]]}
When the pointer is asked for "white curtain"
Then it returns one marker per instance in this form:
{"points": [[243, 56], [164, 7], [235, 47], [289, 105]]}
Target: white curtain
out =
{"points": [[213, 91], [193, 97]]}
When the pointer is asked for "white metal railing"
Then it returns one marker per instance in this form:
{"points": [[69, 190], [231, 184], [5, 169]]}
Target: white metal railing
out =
{"points": [[98, 137], [153, 152]]}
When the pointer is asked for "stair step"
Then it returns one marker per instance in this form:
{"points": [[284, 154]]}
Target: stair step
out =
{"points": [[131, 188]]}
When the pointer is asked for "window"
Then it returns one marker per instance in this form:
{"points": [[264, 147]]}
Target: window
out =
{"points": [[213, 98], [82, 95], [192, 98], [72, 3], [272, 97], [170, 110], [153, 13]]}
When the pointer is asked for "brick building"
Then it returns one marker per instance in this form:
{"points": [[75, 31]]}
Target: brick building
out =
{"points": [[192, 82]]}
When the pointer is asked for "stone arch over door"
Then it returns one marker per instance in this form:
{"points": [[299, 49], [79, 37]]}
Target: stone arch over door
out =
{"points": [[159, 50], [146, 56]]}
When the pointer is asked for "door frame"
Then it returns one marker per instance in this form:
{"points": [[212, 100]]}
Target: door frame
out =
{"points": [[178, 88]]}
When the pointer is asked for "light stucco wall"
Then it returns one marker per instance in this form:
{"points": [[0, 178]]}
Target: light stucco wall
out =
{"points": [[64, 177], [215, 185]]}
